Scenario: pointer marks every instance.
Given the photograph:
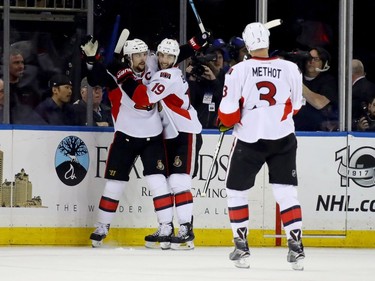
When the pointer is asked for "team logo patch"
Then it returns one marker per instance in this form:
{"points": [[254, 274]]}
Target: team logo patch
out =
{"points": [[294, 173], [160, 166], [177, 162], [71, 160]]}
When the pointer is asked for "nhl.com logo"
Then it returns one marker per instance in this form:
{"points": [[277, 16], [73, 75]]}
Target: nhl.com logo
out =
{"points": [[360, 167], [71, 160]]}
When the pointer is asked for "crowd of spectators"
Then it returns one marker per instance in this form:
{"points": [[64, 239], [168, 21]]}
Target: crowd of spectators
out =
{"points": [[53, 103]]}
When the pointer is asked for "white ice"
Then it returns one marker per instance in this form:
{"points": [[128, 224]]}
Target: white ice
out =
{"points": [[202, 263]]}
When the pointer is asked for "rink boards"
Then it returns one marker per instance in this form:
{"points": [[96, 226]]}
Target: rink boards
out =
{"points": [[52, 179]]}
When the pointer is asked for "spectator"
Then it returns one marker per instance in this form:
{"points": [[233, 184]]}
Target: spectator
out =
{"points": [[321, 95], [362, 90], [57, 109], [237, 50], [221, 62], [16, 66], [22, 97], [206, 88], [101, 112], [367, 121]]}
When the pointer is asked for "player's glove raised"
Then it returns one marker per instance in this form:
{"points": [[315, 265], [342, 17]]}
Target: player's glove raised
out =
{"points": [[199, 41], [124, 74], [89, 50], [123, 71]]}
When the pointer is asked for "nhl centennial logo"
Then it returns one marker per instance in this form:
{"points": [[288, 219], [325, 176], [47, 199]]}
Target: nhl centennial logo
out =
{"points": [[360, 167]]}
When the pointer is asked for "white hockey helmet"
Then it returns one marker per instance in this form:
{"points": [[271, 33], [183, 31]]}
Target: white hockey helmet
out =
{"points": [[169, 46], [134, 46], [256, 36], [131, 47]]}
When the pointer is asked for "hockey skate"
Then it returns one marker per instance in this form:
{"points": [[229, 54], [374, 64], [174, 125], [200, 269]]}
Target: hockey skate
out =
{"points": [[241, 252], [296, 254], [152, 239], [99, 234], [184, 239], [161, 238]]}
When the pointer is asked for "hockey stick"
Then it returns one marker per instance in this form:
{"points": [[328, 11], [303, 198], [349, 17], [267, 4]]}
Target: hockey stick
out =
{"points": [[273, 23], [121, 41], [200, 23], [214, 158]]}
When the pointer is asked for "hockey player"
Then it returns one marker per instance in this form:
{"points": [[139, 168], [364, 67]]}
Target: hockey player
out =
{"points": [[138, 132], [260, 96], [182, 134]]}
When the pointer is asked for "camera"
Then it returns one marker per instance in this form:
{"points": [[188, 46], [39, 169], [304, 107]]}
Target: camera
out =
{"points": [[198, 61], [364, 114], [299, 57], [365, 111]]}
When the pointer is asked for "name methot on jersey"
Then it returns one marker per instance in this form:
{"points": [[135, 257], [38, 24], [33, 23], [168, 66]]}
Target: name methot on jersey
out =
{"points": [[266, 71]]}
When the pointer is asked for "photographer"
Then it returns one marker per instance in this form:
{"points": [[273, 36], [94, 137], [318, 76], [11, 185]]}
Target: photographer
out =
{"points": [[205, 76], [320, 92], [367, 122], [237, 50]]}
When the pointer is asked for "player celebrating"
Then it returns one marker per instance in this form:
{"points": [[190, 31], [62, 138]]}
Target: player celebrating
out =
{"points": [[138, 132], [260, 96], [182, 134]]}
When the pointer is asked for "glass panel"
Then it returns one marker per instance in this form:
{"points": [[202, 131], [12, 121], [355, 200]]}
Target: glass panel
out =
{"points": [[309, 37], [45, 38]]}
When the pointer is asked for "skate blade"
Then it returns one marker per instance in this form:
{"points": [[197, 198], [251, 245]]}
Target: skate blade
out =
{"points": [[96, 244], [242, 263], [165, 245], [183, 246], [152, 245], [298, 265]]}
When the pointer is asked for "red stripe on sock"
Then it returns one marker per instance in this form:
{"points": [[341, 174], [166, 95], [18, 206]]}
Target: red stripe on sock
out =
{"points": [[183, 198], [240, 213], [291, 215], [108, 204], [163, 202]]}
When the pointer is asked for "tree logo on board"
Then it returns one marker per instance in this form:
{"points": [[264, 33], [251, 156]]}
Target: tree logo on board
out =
{"points": [[71, 160]]}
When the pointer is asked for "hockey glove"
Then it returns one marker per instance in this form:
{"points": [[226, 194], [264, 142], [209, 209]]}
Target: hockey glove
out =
{"points": [[124, 73], [89, 50], [222, 127], [199, 41]]}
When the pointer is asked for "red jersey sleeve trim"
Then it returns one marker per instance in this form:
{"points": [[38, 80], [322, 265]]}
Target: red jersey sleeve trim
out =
{"points": [[140, 96], [229, 120]]}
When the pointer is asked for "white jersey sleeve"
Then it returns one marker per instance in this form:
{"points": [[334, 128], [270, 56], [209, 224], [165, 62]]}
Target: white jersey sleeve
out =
{"points": [[170, 87], [266, 91], [129, 119]]}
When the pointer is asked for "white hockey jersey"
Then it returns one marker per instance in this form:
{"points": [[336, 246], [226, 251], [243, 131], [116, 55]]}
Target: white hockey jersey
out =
{"points": [[172, 90], [133, 121], [260, 96], [151, 67]]}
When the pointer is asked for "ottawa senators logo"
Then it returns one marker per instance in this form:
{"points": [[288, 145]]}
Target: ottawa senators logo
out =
{"points": [[177, 162], [160, 166]]}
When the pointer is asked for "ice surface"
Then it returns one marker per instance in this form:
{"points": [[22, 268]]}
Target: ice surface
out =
{"points": [[202, 263]]}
